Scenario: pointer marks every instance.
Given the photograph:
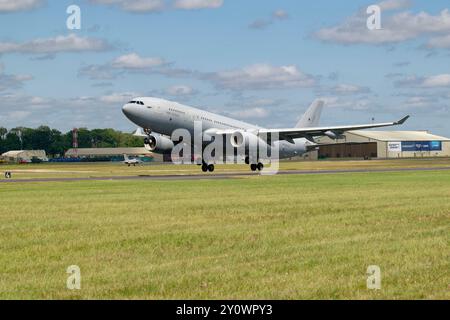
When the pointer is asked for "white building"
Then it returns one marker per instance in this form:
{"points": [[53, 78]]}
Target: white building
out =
{"points": [[24, 155]]}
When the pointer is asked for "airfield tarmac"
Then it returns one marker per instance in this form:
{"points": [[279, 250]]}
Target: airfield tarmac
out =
{"points": [[219, 175], [54, 172]]}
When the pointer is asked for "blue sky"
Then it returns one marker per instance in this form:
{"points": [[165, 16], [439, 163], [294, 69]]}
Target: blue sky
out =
{"points": [[259, 61]]}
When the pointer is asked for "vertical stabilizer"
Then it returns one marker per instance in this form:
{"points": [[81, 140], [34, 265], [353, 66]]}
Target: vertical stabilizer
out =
{"points": [[312, 115]]}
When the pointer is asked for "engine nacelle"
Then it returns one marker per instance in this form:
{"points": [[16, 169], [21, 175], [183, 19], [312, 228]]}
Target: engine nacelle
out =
{"points": [[333, 135], [239, 139], [157, 143]]}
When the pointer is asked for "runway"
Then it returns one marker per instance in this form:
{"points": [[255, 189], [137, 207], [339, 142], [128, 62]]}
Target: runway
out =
{"points": [[218, 175]]}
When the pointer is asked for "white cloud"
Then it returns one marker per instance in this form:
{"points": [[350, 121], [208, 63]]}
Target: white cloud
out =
{"points": [[394, 4], [439, 42], [419, 102], [436, 81], [8, 81], [197, 4], [134, 61], [137, 6], [143, 6], [263, 76], [69, 43], [65, 113], [253, 113], [260, 24], [18, 115], [343, 89], [18, 5], [396, 28], [264, 23], [180, 90], [280, 14], [117, 98], [350, 104], [442, 80]]}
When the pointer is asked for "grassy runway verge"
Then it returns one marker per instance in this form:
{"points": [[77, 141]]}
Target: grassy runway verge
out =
{"points": [[259, 237]]}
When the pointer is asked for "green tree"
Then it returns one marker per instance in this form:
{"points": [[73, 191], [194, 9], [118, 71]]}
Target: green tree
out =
{"points": [[3, 132]]}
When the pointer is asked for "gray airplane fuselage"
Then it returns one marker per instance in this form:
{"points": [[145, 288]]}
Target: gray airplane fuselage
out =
{"points": [[163, 117]]}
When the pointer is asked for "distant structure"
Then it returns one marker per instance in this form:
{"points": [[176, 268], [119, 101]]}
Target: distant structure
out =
{"points": [[25, 156], [111, 152], [75, 141], [368, 144]]}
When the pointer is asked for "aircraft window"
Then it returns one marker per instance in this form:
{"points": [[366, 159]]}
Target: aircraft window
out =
{"points": [[132, 101]]}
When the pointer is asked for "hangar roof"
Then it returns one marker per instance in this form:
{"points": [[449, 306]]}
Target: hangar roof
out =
{"points": [[106, 151], [16, 153], [399, 135], [13, 153]]}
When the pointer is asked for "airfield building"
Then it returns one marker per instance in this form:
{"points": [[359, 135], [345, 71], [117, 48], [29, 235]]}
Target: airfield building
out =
{"points": [[384, 144], [25, 156], [111, 153]]}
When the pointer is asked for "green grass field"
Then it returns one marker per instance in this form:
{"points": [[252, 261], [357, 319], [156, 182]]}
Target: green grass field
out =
{"points": [[262, 237]]}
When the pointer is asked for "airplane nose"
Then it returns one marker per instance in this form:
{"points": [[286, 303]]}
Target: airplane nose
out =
{"points": [[126, 109], [129, 110], [132, 112]]}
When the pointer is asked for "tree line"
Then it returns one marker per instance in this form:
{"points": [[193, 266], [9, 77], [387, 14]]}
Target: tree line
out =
{"points": [[56, 143]]}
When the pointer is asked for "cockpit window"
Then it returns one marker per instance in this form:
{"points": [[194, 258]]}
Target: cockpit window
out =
{"points": [[137, 102]]}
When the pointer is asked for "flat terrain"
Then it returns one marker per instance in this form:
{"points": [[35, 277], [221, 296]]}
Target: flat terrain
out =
{"points": [[93, 170], [274, 237]]}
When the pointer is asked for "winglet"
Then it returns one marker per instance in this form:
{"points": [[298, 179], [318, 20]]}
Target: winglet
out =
{"points": [[402, 120]]}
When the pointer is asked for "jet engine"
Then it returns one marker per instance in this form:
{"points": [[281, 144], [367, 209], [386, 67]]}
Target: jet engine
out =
{"points": [[158, 143], [334, 135]]}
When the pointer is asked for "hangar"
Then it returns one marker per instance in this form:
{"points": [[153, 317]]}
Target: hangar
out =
{"points": [[384, 144], [24, 155]]}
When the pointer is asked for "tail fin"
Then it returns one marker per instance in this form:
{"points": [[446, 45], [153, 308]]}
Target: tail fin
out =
{"points": [[125, 157], [312, 115]]}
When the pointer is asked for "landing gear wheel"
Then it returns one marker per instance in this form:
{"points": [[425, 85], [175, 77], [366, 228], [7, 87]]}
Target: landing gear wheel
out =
{"points": [[211, 168], [247, 160], [204, 167], [260, 166], [253, 167]]}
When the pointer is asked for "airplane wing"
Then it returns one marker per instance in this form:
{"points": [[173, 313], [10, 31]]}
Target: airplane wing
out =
{"points": [[294, 133]]}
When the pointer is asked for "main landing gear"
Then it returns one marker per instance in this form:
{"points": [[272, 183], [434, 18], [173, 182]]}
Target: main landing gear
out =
{"points": [[207, 167], [256, 166], [253, 166]]}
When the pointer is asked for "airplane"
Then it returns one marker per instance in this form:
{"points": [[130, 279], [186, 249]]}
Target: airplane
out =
{"points": [[158, 119], [131, 161]]}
